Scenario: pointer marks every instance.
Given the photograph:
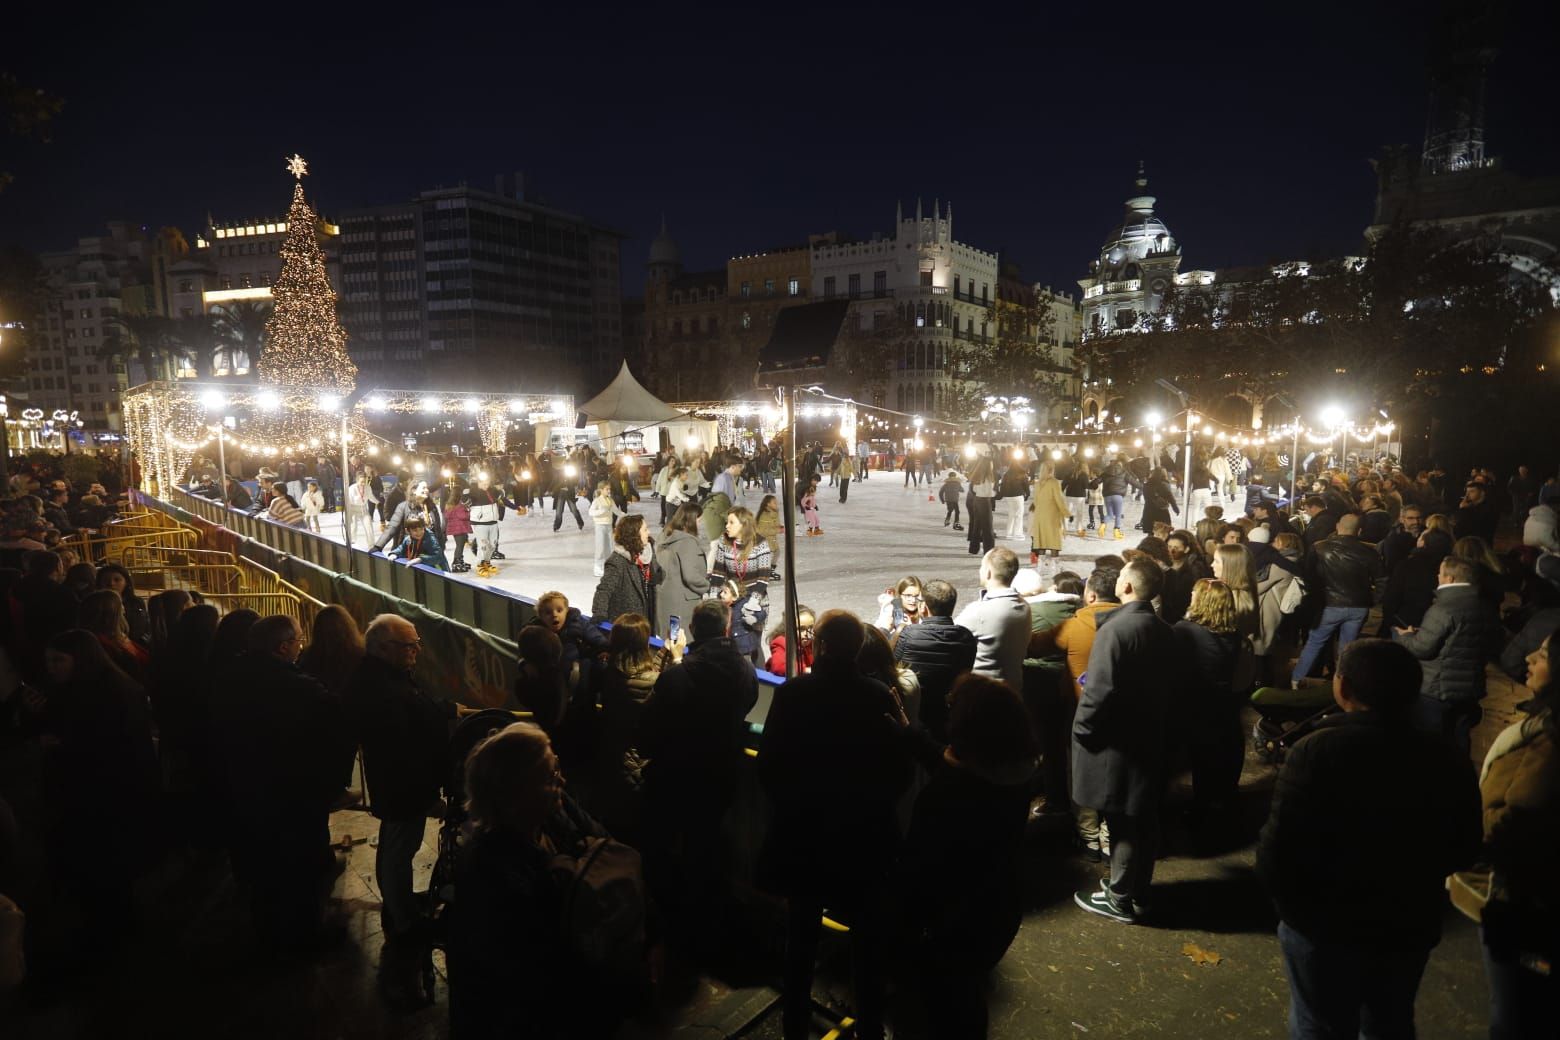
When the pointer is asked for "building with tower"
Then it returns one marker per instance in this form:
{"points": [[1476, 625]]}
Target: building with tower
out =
{"points": [[1453, 184], [915, 296], [1138, 264], [684, 318]]}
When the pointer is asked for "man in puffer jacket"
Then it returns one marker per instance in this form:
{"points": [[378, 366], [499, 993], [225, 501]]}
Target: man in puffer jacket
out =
{"points": [[1458, 636]]}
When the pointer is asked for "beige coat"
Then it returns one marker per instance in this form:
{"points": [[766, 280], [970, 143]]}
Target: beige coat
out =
{"points": [[1050, 515]]}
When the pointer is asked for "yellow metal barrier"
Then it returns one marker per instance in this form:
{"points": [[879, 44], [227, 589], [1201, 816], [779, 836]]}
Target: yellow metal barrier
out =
{"points": [[100, 548], [302, 610]]}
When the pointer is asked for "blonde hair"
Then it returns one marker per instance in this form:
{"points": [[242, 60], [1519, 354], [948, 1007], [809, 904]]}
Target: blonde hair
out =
{"points": [[501, 766], [552, 594], [1476, 550], [1236, 571], [1213, 606], [1439, 522]]}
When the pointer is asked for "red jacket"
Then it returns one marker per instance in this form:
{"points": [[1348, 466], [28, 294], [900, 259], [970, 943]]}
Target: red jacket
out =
{"points": [[804, 655]]}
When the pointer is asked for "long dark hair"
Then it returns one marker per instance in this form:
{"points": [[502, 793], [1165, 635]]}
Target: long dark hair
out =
{"points": [[686, 520], [232, 637], [630, 534], [93, 665]]}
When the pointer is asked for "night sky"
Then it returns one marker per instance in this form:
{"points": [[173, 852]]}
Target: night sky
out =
{"points": [[749, 132]]}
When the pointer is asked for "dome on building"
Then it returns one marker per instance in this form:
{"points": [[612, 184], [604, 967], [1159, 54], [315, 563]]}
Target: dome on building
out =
{"points": [[663, 250], [1139, 233]]}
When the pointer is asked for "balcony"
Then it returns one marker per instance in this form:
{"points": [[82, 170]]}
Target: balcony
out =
{"points": [[1129, 285]]}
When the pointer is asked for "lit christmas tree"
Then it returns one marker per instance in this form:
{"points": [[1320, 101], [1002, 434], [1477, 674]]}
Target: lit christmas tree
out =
{"points": [[306, 347]]}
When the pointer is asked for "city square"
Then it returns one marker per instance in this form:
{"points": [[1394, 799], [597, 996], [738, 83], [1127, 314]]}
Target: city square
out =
{"points": [[511, 539]]}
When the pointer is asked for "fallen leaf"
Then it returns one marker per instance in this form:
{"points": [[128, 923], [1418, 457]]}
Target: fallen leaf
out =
{"points": [[1199, 955], [1054, 968]]}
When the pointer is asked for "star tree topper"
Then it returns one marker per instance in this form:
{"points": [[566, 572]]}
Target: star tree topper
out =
{"points": [[297, 166]]}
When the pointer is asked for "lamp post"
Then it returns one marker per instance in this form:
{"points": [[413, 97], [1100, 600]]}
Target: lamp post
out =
{"points": [[1332, 415], [222, 473], [1186, 460]]}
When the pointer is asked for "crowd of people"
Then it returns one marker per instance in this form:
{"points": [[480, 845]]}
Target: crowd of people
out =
{"points": [[901, 766]]}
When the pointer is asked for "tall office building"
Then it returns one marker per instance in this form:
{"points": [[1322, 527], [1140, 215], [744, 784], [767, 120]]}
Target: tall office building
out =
{"points": [[461, 287]]}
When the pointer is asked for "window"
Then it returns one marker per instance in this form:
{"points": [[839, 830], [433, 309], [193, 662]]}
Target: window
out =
{"points": [[747, 320], [794, 287], [769, 286], [955, 285], [747, 289], [926, 278], [880, 284], [677, 327], [86, 312], [246, 281], [855, 286], [983, 288], [828, 287], [226, 282], [185, 285]]}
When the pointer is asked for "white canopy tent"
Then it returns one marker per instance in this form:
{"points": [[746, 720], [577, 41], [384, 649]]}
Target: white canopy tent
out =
{"points": [[625, 406]]}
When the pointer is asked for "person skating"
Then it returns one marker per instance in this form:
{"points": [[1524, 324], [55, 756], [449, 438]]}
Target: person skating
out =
{"points": [[809, 505], [564, 491], [952, 490]]}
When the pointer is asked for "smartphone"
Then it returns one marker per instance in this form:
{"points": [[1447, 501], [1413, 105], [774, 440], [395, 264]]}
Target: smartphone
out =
{"points": [[673, 627]]}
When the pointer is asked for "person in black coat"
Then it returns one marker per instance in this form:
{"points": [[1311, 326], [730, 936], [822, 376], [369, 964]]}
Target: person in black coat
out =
{"points": [[41, 608], [1158, 501], [1475, 515], [1411, 589], [1365, 788], [1403, 538], [833, 834], [404, 736], [959, 881], [1187, 567], [1209, 709], [938, 652], [284, 743], [630, 574], [693, 730], [1457, 637], [510, 970], [1119, 739]]}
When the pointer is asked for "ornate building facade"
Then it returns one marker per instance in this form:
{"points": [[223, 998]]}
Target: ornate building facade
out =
{"points": [[918, 293]]}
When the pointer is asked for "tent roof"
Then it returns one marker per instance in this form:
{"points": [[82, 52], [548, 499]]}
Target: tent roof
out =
{"points": [[624, 400]]}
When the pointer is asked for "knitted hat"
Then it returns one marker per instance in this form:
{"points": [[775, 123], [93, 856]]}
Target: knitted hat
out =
{"points": [[1259, 534]]}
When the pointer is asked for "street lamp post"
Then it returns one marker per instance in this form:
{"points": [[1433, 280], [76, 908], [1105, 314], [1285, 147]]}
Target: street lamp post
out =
{"points": [[222, 472], [1186, 458]]}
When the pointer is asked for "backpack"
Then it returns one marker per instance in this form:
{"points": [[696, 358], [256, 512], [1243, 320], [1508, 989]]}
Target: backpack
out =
{"points": [[1292, 597], [602, 901]]}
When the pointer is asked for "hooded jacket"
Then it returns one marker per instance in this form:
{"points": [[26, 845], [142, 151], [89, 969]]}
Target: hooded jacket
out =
{"points": [[1458, 636]]}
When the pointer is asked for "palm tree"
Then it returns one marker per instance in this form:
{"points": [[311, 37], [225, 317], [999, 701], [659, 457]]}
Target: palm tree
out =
{"points": [[239, 328], [192, 337], [145, 337]]}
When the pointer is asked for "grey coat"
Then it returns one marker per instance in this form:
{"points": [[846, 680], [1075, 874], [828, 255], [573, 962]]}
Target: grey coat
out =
{"points": [[1459, 635], [1119, 730], [681, 556]]}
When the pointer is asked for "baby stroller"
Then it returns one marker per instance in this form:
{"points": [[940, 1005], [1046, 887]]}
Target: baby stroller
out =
{"points": [[470, 731], [1284, 716]]}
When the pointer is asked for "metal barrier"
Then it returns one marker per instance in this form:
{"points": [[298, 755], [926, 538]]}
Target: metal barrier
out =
{"points": [[99, 548], [301, 609], [160, 567]]}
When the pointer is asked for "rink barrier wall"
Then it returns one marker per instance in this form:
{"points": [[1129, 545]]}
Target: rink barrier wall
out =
{"points": [[467, 629]]}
